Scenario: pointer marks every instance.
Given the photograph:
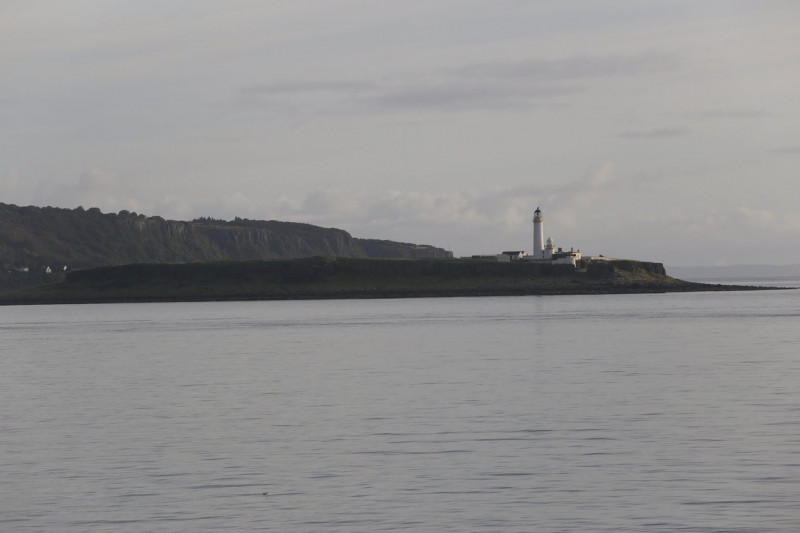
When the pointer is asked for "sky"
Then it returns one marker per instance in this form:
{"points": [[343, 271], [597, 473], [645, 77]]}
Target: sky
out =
{"points": [[662, 130]]}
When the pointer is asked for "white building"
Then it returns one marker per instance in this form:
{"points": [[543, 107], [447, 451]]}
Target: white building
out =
{"points": [[538, 235], [507, 257], [546, 250]]}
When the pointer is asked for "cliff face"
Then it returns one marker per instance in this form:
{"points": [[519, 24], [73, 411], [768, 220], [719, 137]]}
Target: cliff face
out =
{"points": [[275, 240], [41, 237], [377, 249]]}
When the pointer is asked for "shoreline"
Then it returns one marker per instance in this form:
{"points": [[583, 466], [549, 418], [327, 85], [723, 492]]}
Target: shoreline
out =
{"points": [[61, 299], [325, 278]]}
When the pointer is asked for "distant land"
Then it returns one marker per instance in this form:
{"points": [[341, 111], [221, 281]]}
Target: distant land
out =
{"points": [[330, 277], [41, 244], [54, 255]]}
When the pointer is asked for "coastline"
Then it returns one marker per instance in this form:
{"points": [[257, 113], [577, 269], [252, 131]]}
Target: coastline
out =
{"points": [[325, 278]]}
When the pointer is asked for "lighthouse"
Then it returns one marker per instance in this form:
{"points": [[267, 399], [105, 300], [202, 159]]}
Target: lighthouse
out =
{"points": [[538, 234]]}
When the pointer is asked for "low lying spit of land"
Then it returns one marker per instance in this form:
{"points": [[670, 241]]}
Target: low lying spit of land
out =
{"points": [[328, 278]]}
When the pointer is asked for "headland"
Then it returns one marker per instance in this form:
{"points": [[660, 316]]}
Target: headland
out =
{"points": [[340, 278]]}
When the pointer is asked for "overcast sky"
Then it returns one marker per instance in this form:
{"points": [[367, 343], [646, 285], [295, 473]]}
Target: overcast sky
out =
{"points": [[656, 130]]}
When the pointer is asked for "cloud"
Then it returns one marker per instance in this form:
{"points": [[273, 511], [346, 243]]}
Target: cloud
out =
{"points": [[233, 204], [449, 96], [94, 188], [504, 212], [467, 220], [657, 133], [175, 207], [541, 70], [768, 220], [305, 86], [514, 84], [788, 150], [479, 86], [333, 201], [732, 114], [483, 221], [762, 218], [390, 208], [10, 180], [575, 198]]}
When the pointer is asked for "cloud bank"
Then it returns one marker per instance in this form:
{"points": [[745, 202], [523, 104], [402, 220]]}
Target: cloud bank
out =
{"points": [[645, 129]]}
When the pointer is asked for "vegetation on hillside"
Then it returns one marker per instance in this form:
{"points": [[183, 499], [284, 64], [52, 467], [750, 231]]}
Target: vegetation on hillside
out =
{"points": [[38, 238]]}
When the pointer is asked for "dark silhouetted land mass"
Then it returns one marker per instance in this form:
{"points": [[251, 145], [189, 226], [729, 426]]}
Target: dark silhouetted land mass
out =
{"points": [[41, 244], [327, 277]]}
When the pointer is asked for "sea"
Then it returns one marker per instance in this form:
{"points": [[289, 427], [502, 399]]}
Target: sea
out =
{"points": [[604, 413]]}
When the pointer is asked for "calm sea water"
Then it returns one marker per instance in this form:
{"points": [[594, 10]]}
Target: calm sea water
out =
{"points": [[669, 412]]}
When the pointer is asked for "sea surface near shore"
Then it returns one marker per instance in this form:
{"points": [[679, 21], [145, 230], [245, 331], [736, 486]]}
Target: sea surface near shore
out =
{"points": [[645, 412]]}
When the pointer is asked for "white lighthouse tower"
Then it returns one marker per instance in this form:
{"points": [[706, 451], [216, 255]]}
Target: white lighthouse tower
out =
{"points": [[538, 234]]}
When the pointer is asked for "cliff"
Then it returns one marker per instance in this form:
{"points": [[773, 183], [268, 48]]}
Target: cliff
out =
{"points": [[40, 237]]}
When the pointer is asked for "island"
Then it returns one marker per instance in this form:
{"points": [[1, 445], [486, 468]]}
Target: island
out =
{"points": [[127, 257], [342, 277]]}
